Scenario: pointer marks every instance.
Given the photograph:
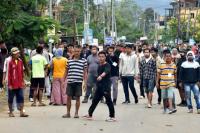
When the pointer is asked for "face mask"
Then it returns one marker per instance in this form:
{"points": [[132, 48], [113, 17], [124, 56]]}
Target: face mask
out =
{"points": [[190, 58]]}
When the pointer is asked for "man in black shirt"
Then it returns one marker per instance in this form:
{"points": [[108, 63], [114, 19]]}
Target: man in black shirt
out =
{"points": [[113, 60], [103, 88]]}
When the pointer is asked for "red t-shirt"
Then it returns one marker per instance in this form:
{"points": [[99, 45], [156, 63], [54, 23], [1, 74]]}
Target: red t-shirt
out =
{"points": [[15, 74]]}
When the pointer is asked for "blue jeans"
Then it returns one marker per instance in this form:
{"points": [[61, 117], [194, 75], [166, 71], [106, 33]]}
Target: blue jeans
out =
{"points": [[195, 89]]}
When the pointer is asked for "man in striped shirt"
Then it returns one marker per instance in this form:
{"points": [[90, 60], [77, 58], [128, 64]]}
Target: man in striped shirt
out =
{"points": [[166, 76], [77, 73]]}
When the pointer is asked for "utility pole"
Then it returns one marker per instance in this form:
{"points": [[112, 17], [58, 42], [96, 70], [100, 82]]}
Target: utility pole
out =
{"points": [[155, 25], [188, 24], [50, 9], [179, 21], [112, 20], [86, 20], [144, 28]]}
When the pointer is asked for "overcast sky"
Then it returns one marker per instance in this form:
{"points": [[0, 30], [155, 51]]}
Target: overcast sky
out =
{"points": [[158, 5]]}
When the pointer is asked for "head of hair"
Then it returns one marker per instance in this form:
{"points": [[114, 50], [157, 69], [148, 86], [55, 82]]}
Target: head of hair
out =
{"points": [[166, 51], [111, 47], [39, 50], [2, 42], [154, 49], [46, 46], [70, 45], [146, 50], [77, 46], [129, 46], [93, 46], [102, 52]]}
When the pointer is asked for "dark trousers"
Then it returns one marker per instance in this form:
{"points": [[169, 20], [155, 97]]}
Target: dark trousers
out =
{"points": [[19, 93], [128, 81], [99, 94], [1, 79], [159, 95], [141, 88]]}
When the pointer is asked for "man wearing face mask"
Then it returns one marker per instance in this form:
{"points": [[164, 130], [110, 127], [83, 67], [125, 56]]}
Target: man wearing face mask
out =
{"points": [[179, 84], [190, 75]]}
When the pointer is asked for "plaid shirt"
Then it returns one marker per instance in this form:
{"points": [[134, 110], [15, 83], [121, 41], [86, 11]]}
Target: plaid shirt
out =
{"points": [[148, 69]]}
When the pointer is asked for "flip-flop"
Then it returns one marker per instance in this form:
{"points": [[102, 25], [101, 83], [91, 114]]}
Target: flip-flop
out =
{"points": [[42, 104], [76, 116], [33, 105], [11, 115], [66, 116], [24, 115]]}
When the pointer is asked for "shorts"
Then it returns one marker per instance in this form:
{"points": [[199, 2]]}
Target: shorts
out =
{"points": [[168, 93], [19, 93], [38, 82], [148, 85], [74, 89]]}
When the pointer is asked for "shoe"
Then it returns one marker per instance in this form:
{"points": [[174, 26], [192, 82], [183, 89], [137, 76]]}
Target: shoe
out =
{"points": [[31, 99], [126, 102], [190, 111], [136, 101], [198, 111], [87, 117], [159, 103], [111, 119], [172, 111], [141, 97], [85, 100], [182, 104], [149, 106]]}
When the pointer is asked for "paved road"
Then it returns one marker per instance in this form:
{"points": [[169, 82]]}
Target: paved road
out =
{"points": [[131, 118]]}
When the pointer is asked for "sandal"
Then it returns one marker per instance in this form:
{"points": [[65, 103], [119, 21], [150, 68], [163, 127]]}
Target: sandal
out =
{"points": [[33, 105], [11, 115], [24, 115], [42, 104], [66, 116], [76, 116]]}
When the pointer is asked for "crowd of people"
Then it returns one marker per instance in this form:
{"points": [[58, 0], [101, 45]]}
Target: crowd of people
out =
{"points": [[71, 69]]}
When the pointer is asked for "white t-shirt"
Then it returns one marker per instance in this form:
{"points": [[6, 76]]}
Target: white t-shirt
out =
{"points": [[5, 68]]}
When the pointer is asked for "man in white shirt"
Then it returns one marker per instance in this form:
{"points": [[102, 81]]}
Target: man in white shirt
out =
{"points": [[129, 70]]}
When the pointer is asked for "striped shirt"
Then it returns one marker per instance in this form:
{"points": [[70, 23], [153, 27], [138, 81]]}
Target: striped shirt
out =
{"points": [[167, 75], [76, 70]]}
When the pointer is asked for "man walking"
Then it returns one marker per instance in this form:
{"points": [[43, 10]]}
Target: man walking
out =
{"points": [[103, 89], [166, 79], [113, 60], [189, 76], [129, 71], [148, 73]]}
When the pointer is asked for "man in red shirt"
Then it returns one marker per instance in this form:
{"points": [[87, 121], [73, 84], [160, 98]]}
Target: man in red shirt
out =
{"points": [[16, 82]]}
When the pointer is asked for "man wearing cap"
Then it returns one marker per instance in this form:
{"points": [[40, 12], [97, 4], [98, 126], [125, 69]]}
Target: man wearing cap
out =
{"points": [[189, 76], [16, 82]]}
